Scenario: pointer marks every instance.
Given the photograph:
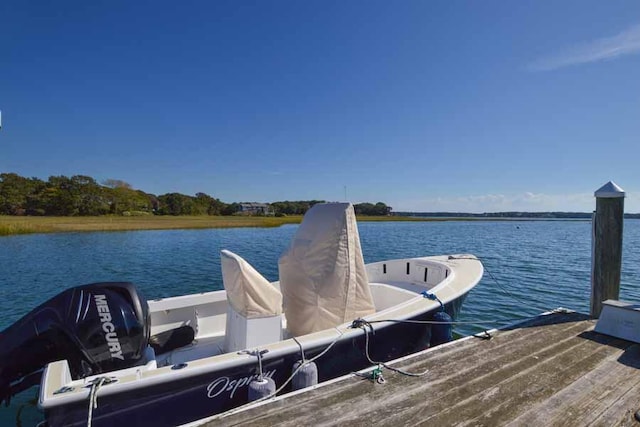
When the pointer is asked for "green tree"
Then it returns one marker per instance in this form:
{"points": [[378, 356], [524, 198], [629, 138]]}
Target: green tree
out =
{"points": [[231, 209], [379, 209], [78, 195], [89, 197], [176, 204], [126, 200], [16, 192], [293, 208], [207, 205]]}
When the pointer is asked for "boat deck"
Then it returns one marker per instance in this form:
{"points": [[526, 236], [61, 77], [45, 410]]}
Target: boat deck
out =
{"points": [[553, 370]]}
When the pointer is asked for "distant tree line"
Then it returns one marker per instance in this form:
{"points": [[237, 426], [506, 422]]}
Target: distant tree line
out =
{"points": [[64, 196], [293, 208], [516, 215], [379, 209], [82, 195]]}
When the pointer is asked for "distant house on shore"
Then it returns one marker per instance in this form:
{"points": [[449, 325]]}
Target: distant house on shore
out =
{"points": [[253, 208]]}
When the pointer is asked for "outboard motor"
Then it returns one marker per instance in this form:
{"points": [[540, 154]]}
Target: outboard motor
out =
{"points": [[97, 328]]}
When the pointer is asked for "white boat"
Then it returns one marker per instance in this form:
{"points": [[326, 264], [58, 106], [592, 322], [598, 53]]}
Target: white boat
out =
{"points": [[175, 360]]}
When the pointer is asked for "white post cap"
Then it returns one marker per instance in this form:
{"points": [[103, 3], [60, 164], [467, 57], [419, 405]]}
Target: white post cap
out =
{"points": [[609, 191]]}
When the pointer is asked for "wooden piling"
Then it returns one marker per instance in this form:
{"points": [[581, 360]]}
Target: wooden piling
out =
{"points": [[606, 258]]}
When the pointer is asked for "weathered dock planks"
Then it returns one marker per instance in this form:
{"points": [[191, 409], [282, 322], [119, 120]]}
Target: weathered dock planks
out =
{"points": [[553, 370]]}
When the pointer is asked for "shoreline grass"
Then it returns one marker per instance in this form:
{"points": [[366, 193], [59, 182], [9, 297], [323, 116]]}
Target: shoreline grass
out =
{"points": [[10, 225], [14, 225]]}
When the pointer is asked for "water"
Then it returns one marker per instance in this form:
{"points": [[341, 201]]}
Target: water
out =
{"points": [[531, 266]]}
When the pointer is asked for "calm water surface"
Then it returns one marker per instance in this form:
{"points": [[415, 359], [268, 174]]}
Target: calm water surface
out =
{"points": [[531, 266]]}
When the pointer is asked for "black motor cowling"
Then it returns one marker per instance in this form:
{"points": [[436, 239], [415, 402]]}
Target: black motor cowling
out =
{"points": [[97, 328]]}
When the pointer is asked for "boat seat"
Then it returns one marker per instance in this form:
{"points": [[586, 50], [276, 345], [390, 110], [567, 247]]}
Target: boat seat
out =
{"points": [[254, 309], [198, 349], [172, 339]]}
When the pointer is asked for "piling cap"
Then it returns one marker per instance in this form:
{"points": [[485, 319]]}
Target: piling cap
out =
{"points": [[609, 191]]}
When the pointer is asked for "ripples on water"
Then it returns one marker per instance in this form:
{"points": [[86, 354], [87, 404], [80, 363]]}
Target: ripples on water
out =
{"points": [[541, 264], [531, 266]]}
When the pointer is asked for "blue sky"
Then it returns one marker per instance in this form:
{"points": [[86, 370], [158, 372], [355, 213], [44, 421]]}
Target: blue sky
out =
{"points": [[424, 105]]}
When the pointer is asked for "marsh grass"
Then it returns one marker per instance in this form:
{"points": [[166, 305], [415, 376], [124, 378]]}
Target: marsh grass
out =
{"points": [[7, 229], [24, 225], [12, 225]]}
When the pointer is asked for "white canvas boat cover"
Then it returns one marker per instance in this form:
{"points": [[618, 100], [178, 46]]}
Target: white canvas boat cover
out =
{"points": [[322, 275], [248, 292]]}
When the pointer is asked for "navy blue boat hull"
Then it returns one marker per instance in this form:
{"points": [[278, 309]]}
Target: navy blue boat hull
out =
{"points": [[193, 398]]}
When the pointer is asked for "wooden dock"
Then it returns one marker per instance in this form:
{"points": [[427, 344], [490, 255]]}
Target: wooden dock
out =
{"points": [[553, 370]]}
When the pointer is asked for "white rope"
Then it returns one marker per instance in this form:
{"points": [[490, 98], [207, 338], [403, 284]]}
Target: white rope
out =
{"points": [[93, 396], [313, 359]]}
